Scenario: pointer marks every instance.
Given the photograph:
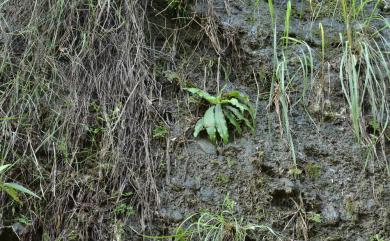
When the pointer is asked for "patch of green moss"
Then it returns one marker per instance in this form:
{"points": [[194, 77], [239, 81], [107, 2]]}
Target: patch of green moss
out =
{"points": [[313, 170]]}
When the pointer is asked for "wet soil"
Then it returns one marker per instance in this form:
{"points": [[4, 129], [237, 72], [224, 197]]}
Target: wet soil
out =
{"points": [[352, 203]]}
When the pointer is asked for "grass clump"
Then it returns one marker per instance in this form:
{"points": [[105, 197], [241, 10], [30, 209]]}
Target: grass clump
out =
{"points": [[232, 105], [216, 226], [364, 73], [283, 77]]}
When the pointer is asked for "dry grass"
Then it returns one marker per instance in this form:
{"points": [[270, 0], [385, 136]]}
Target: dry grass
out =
{"points": [[76, 104]]}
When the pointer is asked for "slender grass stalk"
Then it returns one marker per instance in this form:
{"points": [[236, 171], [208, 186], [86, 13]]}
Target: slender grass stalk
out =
{"points": [[287, 22], [322, 43], [349, 72], [271, 11], [282, 72], [346, 16]]}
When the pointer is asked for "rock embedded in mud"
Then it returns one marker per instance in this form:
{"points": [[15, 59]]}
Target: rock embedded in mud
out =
{"points": [[171, 215], [192, 184], [286, 185], [208, 195], [207, 147], [370, 205], [176, 184], [330, 215]]}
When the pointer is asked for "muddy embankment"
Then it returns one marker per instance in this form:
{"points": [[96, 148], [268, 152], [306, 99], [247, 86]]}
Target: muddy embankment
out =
{"points": [[332, 199]]}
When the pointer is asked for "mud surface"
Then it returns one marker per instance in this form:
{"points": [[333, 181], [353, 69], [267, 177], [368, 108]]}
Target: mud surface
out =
{"points": [[255, 169]]}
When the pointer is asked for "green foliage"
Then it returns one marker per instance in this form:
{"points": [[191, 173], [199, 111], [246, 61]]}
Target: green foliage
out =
{"points": [[24, 220], [314, 217], [287, 23], [232, 107], [160, 131], [351, 10], [377, 237], [272, 11], [180, 7], [295, 171], [223, 179], [124, 209], [363, 76], [13, 189], [223, 225], [313, 170]]}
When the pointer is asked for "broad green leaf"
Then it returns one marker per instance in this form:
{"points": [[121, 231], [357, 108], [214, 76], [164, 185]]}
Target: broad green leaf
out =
{"points": [[249, 124], [12, 193], [4, 167], [252, 113], [243, 99], [221, 124], [238, 95], [209, 123], [232, 120], [237, 104], [236, 112], [203, 94], [198, 127], [240, 116], [20, 188]]}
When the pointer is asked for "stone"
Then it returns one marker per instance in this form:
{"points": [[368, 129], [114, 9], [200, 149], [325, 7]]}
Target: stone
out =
{"points": [[207, 147], [192, 184], [330, 215]]}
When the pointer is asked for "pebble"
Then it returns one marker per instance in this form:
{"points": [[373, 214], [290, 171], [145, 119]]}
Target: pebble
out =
{"points": [[330, 215], [206, 194], [192, 184], [171, 214]]}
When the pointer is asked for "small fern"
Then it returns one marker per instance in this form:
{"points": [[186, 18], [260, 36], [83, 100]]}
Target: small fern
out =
{"points": [[233, 106]]}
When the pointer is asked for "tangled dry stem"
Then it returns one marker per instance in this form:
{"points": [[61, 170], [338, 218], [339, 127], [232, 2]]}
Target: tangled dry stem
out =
{"points": [[76, 102]]}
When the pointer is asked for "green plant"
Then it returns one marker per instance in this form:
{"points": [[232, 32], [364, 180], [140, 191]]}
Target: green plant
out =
{"points": [[314, 217], [124, 209], [377, 237], [351, 10], [287, 23], [12, 188], [179, 6], [233, 105], [210, 226], [313, 170], [364, 73], [222, 179], [282, 77], [160, 131], [23, 219], [271, 11]]}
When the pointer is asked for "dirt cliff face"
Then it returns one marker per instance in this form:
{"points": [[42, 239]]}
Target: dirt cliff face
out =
{"points": [[333, 196]]}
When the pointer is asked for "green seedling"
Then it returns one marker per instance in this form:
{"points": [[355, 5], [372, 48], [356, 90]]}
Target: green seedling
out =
{"points": [[124, 209], [314, 217], [233, 106], [160, 131], [13, 189], [377, 237], [214, 226]]}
